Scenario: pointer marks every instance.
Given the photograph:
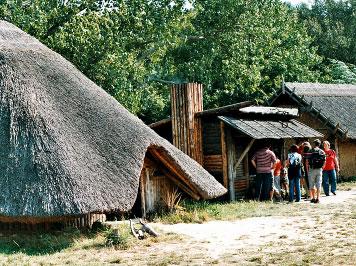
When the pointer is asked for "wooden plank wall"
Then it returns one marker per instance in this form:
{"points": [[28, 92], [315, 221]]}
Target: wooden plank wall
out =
{"points": [[156, 184], [212, 148], [347, 158], [242, 180], [186, 100], [211, 136]]}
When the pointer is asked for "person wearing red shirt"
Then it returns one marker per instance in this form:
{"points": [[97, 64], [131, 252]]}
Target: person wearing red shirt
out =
{"points": [[330, 169]]}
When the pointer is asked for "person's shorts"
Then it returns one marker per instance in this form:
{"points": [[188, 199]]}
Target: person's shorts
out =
{"points": [[315, 178]]}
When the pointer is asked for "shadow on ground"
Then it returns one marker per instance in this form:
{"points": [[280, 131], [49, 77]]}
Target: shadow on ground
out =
{"points": [[37, 243]]}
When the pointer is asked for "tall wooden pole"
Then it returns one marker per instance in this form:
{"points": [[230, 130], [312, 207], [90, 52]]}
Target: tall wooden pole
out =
{"points": [[186, 101]]}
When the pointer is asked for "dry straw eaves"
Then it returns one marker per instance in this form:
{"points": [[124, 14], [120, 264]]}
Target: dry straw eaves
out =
{"points": [[66, 146]]}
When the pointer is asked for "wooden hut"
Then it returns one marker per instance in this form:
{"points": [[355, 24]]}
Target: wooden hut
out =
{"points": [[224, 139], [70, 152], [330, 109]]}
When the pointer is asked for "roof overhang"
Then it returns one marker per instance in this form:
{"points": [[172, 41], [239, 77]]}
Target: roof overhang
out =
{"points": [[308, 106], [271, 129]]}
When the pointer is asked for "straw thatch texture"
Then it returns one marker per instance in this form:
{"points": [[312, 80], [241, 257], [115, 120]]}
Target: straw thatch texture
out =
{"points": [[66, 146], [336, 103]]}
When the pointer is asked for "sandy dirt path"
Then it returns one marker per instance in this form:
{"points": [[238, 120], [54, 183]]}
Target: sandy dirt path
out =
{"points": [[228, 242]]}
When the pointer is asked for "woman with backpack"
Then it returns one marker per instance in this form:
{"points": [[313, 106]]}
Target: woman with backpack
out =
{"points": [[294, 164]]}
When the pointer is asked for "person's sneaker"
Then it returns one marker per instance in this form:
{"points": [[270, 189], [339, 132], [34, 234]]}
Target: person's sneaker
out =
{"points": [[327, 195], [312, 201], [333, 192], [316, 201]]}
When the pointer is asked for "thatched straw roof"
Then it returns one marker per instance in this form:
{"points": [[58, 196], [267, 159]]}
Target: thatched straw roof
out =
{"points": [[334, 104], [66, 146]]}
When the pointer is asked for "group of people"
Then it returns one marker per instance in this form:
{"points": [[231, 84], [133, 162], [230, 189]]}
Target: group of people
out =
{"points": [[313, 165]]}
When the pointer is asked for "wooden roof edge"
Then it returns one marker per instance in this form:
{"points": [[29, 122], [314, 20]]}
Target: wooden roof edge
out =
{"points": [[317, 113], [275, 96], [225, 109], [160, 123]]}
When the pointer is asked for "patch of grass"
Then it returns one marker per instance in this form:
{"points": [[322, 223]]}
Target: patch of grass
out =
{"points": [[347, 185], [202, 211], [39, 243], [168, 259], [120, 237]]}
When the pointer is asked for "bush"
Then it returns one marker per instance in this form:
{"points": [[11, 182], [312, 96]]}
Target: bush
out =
{"points": [[119, 238]]}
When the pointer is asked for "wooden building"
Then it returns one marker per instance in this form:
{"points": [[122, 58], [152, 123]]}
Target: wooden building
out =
{"points": [[330, 109], [224, 139], [70, 153]]}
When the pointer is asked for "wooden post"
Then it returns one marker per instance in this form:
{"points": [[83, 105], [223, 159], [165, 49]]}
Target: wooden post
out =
{"points": [[224, 155], [231, 154], [142, 190], [244, 153], [186, 101]]}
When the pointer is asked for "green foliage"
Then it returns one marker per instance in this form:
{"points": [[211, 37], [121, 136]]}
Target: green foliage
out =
{"points": [[335, 71], [343, 73], [332, 24], [120, 45], [119, 238], [239, 49]]}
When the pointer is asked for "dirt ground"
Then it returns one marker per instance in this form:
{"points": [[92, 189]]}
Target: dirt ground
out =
{"points": [[300, 234], [319, 234]]}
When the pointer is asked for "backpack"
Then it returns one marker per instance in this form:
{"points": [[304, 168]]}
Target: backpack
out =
{"points": [[317, 158], [294, 167], [296, 163]]}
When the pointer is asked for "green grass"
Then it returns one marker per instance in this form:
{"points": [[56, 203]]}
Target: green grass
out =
{"points": [[347, 185], [203, 211], [120, 238], [39, 243]]}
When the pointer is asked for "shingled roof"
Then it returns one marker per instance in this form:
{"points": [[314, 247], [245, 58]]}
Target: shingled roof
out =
{"points": [[66, 146], [334, 104], [271, 129]]}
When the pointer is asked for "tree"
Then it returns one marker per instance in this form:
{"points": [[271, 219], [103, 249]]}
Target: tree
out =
{"points": [[332, 24], [242, 49], [239, 49], [120, 45]]}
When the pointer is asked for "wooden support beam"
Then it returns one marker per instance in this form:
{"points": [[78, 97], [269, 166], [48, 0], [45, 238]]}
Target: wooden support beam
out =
{"points": [[231, 156], [142, 190], [336, 128], [244, 153], [224, 154], [155, 153], [345, 134], [326, 122], [180, 184]]}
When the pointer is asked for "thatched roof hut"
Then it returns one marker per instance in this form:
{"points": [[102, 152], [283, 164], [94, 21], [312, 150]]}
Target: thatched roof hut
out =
{"points": [[66, 146]]}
